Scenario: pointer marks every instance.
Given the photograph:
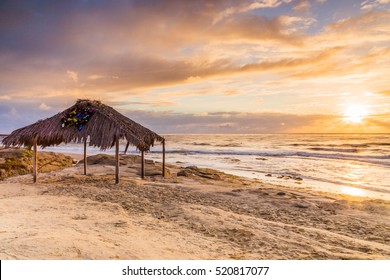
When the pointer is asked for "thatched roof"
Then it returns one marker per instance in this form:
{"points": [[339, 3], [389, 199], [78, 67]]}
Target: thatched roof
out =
{"points": [[103, 126]]}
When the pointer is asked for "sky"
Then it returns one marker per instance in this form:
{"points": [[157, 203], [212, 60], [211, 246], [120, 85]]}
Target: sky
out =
{"points": [[265, 66]]}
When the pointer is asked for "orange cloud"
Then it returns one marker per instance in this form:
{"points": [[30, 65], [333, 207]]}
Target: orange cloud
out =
{"points": [[385, 92]]}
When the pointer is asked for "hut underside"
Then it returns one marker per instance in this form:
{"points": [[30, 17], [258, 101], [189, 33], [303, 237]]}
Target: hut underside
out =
{"points": [[87, 119]]}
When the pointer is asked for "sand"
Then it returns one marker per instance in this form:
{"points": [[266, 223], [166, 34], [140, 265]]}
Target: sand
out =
{"points": [[204, 214]]}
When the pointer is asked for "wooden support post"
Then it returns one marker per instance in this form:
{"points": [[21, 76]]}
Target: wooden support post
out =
{"points": [[142, 164], [117, 161], [35, 161], [85, 156], [163, 159], [127, 146]]}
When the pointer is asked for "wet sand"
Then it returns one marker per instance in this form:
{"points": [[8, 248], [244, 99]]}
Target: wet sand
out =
{"points": [[203, 214]]}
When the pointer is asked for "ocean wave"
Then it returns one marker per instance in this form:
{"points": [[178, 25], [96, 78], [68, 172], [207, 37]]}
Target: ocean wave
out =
{"points": [[345, 150], [353, 145], [374, 159], [379, 144], [232, 145], [363, 145], [200, 144]]}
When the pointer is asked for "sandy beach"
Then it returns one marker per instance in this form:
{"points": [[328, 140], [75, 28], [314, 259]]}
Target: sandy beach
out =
{"points": [[202, 214]]}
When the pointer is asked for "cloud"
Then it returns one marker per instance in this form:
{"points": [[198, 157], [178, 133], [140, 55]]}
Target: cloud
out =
{"points": [[160, 103], [73, 75], [248, 6], [384, 92], [243, 122], [44, 107], [16, 113], [158, 53], [296, 24], [164, 73], [302, 5], [223, 122], [95, 77], [369, 5]]}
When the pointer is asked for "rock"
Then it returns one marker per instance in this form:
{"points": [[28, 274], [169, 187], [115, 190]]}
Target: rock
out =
{"points": [[302, 205], [195, 171], [260, 158], [298, 178], [184, 173], [193, 167], [268, 175], [211, 176], [281, 193], [2, 173], [167, 172], [2, 160]]}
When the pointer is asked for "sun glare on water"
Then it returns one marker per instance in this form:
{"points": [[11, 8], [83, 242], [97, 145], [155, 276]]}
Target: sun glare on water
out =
{"points": [[353, 191], [355, 113]]}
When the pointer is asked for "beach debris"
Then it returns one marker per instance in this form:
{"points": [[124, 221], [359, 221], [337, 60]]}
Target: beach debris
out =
{"points": [[268, 175], [281, 193], [261, 158]]}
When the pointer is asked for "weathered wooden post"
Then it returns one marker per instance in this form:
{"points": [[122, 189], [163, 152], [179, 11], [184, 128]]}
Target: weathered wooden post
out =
{"points": [[127, 146], [117, 161], [85, 156], [142, 164], [163, 159], [35, 160]]}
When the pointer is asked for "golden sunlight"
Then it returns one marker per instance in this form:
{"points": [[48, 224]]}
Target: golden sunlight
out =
{"points": [[355, 113], [353, 191]]}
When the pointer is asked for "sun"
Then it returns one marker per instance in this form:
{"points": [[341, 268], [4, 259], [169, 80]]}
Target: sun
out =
{"points": [[355, 113]]}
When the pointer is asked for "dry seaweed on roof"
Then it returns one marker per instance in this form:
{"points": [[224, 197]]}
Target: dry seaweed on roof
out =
{"points": [[103, 128]]}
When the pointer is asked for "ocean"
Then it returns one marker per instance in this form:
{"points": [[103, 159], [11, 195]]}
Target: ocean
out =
{"points": [[354, 164]]}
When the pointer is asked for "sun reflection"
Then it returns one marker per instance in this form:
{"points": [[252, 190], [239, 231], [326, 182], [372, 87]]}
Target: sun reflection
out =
{"points": [[353, 191]]}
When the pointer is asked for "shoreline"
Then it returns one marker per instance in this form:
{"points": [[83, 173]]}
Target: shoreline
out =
{"points": [[288, 181], [203, 214], [343, 172]]}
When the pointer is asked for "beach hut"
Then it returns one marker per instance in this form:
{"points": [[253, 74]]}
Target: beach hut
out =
{"points": [[91, 119]]}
